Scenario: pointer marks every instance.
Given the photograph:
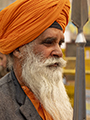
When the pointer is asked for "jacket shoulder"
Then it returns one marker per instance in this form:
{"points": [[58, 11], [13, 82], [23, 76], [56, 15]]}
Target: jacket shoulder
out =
{"points": [[4, 80], [6, 85]]}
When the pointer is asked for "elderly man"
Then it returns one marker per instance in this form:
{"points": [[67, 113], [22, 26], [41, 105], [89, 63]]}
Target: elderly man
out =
{"points": [[31, 33]]}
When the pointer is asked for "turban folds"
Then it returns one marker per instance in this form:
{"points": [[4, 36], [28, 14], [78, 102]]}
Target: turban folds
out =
{"points": [[24, 20]]}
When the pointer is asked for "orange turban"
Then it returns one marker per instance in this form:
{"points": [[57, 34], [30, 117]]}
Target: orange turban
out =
{"points": [[24, 20]]}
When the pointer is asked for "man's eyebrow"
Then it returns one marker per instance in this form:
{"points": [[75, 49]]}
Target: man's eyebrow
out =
{"points": [[48, 39], [52, 39]]}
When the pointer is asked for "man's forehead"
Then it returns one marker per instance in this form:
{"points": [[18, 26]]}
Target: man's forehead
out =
{"points": [[50, 32]]}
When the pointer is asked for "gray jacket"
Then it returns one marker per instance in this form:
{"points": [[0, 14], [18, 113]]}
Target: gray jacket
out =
{"points": [[14, 104]]}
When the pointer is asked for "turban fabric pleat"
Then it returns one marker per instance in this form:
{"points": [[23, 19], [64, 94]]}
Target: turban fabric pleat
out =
{"points": [[24, 20]]}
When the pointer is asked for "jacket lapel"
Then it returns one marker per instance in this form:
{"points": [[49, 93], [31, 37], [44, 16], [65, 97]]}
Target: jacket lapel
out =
{"points": [[27, 109]]}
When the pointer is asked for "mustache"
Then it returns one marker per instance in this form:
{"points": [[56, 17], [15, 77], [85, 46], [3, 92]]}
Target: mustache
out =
{"points": [[58, 62]]}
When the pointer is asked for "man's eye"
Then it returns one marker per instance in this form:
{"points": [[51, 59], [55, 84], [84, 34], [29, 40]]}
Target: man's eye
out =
{"points": [[49, 42]]}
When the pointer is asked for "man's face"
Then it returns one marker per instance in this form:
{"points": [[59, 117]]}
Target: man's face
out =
{"points": [[42, 73], [48, 43]]}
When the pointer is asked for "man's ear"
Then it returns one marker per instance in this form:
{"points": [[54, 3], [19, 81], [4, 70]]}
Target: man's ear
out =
{"points": [[17, 53]]}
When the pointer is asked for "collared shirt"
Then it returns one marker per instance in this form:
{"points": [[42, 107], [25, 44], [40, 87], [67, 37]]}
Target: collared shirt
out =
{"points": [[39, 107]]}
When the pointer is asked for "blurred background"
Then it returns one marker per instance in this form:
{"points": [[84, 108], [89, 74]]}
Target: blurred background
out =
{"points": [[69, 54], [69, 50]]}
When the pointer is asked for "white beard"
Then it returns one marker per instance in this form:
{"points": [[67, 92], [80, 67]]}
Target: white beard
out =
{"points": [[47, 85]]}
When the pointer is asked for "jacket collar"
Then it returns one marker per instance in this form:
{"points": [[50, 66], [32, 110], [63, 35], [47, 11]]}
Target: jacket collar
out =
{"points": [[26, 107]]}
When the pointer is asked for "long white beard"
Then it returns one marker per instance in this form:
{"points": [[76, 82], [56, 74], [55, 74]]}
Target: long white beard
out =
{"points": [[46, 83]]}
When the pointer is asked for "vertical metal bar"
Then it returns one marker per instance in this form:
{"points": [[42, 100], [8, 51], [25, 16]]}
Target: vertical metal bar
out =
{"points": [[79, 98], [79, 18]]}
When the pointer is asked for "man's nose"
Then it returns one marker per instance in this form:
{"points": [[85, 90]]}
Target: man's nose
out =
{"points": [[57, 51]]}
